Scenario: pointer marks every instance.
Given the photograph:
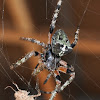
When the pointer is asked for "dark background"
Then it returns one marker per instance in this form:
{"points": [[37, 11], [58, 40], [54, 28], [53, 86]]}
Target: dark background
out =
{"points": [[32, 18]]}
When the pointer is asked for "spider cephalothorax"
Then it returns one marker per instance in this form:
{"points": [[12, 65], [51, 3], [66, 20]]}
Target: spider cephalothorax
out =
{"points": [[50, 59]]}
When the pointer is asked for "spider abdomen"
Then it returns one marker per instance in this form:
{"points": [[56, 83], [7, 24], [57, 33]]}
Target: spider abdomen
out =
{"points": [[60, 43]]}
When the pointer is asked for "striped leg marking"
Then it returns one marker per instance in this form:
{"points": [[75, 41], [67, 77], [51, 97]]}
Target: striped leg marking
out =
{"points": [[58, 84], [49, 75], [57, 77], [53, 22], [66, 68], [33, 41], [76, 38], [24, 59], [37, 69]]}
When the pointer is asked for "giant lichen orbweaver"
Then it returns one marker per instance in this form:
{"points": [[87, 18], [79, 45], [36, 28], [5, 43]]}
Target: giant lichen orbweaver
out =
{"points": [[50, 59]]}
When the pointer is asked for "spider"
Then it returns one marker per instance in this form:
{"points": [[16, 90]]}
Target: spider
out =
{"points": [[58, 45], [23, 94]]}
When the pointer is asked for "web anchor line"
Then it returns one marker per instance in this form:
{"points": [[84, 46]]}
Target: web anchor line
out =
{"points": [[17, 74], [6, 74], [46, 8], [81, 20]]}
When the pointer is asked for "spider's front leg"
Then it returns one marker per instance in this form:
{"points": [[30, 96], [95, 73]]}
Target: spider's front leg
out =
{"points": [[24, 59], [76, 37], [53, 22]]}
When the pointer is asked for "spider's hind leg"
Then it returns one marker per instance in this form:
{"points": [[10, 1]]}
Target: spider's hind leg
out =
{"points": [[33, 41], [53, 22], [58, 84], [67, 69], [57, 77]]}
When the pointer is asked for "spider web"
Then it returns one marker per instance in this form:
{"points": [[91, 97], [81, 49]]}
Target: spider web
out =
{"points": [[85, 57]]}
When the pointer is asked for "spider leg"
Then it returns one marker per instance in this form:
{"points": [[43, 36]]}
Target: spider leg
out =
{"points": [[24, 59], [53, 94], [76, 38], [33, 41], [58, 84], [49, 75], [37, 88], [57, 77], [37, 69], [53, 22], [67, 69]]}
